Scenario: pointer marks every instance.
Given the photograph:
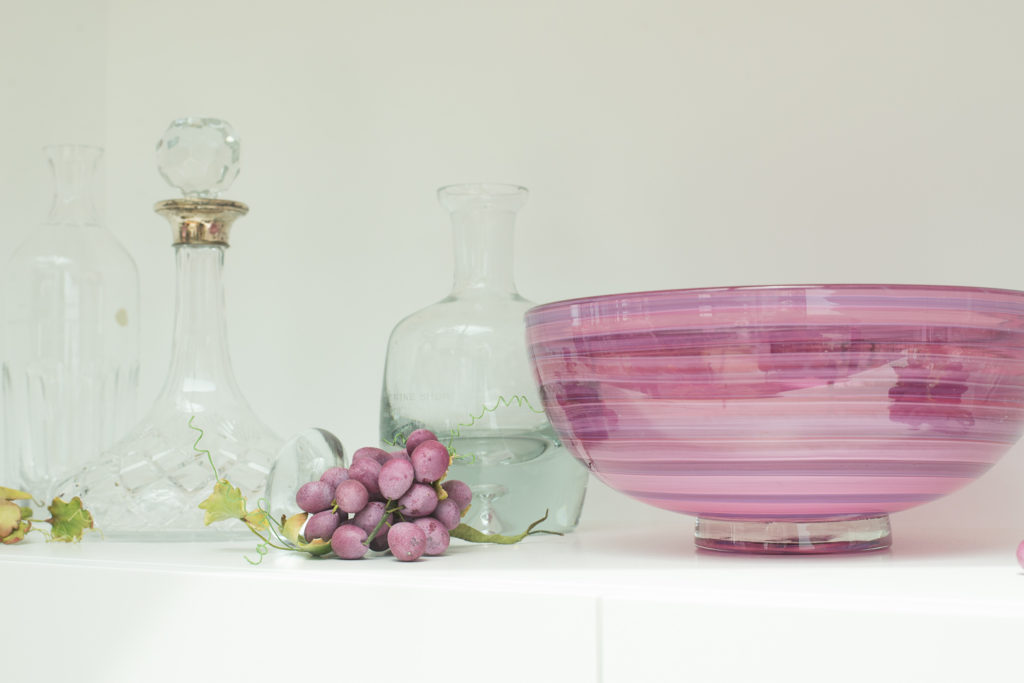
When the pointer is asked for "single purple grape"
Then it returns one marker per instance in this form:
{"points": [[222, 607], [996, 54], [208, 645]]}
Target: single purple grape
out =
{"points": [[430, 461], [437, 536], [378, 454], [459, 492], [347, 542], [418, 437], [321, 525], [380, 542], [351, 496], [395, 478], [366, 471], [314, 496], [447, 512], [334, 476], [369, 517], [1020, 554], [400, 455], [420, 501], [407, 541]]}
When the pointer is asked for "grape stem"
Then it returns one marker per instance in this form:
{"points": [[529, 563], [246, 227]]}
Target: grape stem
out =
{"points": [[388, 509], [468, 533]]}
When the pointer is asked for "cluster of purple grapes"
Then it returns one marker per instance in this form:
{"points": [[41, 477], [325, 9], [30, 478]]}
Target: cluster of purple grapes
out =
{"points": [[387, 501]]}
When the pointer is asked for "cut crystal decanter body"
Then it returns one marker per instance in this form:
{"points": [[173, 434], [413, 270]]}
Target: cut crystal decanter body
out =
{"points": [[149, 485], [460, 368], [71, 334]]}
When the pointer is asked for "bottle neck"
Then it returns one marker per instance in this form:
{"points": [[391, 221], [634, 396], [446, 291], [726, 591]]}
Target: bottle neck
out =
{"points": [[200, 360], [75, 186], [483, 252]]}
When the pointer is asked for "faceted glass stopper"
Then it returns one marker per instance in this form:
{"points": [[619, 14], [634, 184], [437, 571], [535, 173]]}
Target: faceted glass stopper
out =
{"points": [[199, 156]]}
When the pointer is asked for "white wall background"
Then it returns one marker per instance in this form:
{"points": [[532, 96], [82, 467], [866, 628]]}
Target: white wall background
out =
{"points": [[667, 144]]}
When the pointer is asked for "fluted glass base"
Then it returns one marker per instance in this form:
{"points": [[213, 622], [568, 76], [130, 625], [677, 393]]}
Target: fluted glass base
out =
{"points": [[794, 536]]}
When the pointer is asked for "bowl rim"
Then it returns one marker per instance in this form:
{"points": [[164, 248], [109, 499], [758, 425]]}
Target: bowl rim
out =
{"points": [[949, 289]]}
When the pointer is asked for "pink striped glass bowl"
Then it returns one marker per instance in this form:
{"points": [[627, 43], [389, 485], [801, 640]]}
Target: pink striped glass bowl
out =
{"points": [[787, 419]]}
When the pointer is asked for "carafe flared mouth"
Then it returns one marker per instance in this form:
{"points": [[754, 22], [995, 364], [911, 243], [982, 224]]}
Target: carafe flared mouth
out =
{"points": [[494, 196]]}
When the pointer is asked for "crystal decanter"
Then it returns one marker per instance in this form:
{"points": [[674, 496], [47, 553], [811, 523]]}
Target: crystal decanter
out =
{"points": [[460, 368], [149, 484], [70, 334]]}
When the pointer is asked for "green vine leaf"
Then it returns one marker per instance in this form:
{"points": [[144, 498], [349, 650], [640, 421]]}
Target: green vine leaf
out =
{"points": [[468, 533], [226, 502], [68, 521]]}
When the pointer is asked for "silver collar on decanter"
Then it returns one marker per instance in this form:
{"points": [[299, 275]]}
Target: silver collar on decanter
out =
{"points": [[201, 221]]}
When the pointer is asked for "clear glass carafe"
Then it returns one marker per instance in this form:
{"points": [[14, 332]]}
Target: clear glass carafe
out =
{"points": [[71, 333], [460, 368], [150, 483]]}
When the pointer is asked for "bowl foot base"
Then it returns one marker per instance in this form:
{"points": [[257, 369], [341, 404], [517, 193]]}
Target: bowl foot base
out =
{"points": [[794, 536]]}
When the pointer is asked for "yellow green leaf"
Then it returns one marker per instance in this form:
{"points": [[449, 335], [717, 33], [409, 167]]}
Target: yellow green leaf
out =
{"points": [[226, 502], [292, 527], [18, 534], [257, 519], [68, 521], [13, 494], [319, 546]]}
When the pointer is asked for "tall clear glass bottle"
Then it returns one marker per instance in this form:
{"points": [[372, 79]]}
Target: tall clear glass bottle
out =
{"points": [[70, 333], [149, 484], [460, 368]]}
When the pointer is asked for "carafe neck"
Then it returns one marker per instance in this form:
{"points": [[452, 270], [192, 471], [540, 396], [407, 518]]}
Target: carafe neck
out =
{"points": [[75, 171], [483, 253], [483, 222]]}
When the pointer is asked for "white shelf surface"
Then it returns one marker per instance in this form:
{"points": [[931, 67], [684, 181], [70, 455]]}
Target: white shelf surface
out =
{"points": [[613, 602]]}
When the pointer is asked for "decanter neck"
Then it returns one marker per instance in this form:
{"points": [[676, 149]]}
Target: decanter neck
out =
{"points": [[200, 360], [483, 219], [74, 169], [483, 254]]}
